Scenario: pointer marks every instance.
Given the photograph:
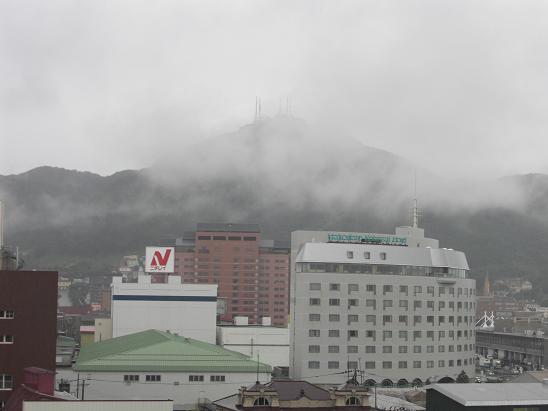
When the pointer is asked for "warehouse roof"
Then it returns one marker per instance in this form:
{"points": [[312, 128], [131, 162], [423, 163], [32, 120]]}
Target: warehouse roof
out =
{"points": [[497, 394], [155, 350]]}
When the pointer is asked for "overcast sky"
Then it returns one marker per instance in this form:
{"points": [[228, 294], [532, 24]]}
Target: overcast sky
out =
{"points": [[460, 86]]}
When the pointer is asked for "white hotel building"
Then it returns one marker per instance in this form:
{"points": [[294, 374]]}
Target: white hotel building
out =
{"points": [[397, 307]]}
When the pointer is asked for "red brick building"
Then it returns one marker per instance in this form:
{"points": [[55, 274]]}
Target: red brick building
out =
{"points": [[28, 325], [252, 273]]}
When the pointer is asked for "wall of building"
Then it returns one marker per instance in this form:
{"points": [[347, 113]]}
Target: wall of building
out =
{"points": [[175, 386], [98, 405], [270, 343], [103, 329], [32, 295], [187, 309]]}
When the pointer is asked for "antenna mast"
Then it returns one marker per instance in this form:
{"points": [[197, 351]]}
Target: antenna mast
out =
{"points": [[1, 224], [415, 205]]}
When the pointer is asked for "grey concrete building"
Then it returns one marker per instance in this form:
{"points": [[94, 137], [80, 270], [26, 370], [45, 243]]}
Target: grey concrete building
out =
{"points": [[397, 307]]}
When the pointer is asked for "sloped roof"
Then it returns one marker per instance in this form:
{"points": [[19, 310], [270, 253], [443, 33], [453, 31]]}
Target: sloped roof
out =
{"points": [[154, 350], [292, 390]]}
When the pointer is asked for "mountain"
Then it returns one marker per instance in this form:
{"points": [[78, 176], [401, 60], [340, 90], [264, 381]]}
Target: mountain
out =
{"points": [[284, 175]]}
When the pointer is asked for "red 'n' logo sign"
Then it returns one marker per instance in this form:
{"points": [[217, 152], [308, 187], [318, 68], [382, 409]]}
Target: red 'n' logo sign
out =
{"points": [[159, 261]]}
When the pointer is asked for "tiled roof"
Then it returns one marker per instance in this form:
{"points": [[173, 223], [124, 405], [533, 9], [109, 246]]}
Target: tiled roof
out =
{"points": [[155, 350]]}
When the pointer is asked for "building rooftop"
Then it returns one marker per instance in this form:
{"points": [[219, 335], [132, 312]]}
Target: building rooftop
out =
{"points": [[228, 227], [498, 394], [154, 350]]}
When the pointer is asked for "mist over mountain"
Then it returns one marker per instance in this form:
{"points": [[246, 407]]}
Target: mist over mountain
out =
{"points": [[285, 175]]}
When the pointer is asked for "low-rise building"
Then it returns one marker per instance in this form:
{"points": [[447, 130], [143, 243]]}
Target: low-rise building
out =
{"points": [[269, 344], [159, 405], [158, 365], [484, 397]]}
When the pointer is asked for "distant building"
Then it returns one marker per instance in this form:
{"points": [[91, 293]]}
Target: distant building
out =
{"points": [[64, 352], [186, 309], [485, 397], [158, 365], [297, 396], [269, 344], [28, 325], [252, 273]]}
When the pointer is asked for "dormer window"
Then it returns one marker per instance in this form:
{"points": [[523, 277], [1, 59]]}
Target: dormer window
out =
{"points": [[353, 401], [383, 256], [350, 254], [261, 401]]}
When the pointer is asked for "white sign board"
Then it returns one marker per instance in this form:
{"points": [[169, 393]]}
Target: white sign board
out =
{"points": [[160, 260]]}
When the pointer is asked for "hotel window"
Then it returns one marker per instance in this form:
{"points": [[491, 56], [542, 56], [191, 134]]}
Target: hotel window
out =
{"points": [[314, 301], [386, 289], [313, 317], [334, 301], [352, 318], [387, 349], [334, 333], [402, 349], [382, 256], [403, 334], [451, 363], [402, 319], [350, 254], [313, 333], [217, 378], [334, 287], [370, 349], [369, 365], [371, 303], [370, 334], [333, 349], [371, 319], [402, 364], [353, 287], [441, 305], [386, 334], [417, 349], [353, 302], [153, 378], [441, 348], [418, 289], [333, 365], [441, 363], [6, 382], [429, 348], [131, 378], [6, 339], [7, 314], [352, 365], [367, 255], [352, 349], [430, 364], [352, 333], [314, 364], [315, 287], [430, 290], [386, 364], [334, 317], [404, 304], [386, 304], [386, 319], [314, 349], [371, 288], [417, 304], [403, 289]]}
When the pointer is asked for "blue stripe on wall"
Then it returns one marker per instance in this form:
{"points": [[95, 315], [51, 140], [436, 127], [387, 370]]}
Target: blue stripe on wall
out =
{"points": [[162, 298]]}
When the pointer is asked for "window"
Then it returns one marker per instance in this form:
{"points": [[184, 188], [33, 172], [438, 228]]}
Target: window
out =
{"points": [[417, 349], [403, 334], [371, 303], [353, 288], [430, 305], [441, 363], [386, 334], [370, 318], [441, 305], [313, 333], [153, 378], [352, 318], [367, 255], [352, 365], [333, 333], [403, 289], [261, 401], [131, 378], [430, 290], [196, 378], [417, 304], [429, 364], [369, 365], [403, 304], [371, 288], [334, 301], [386, 364], [383, 257], [315, 287], [350, 254], [333, 349], [417, 334], [387, 349], [451, 363], [386, 319], [217, 378], [370, 334], [417, 319], [386, 289], [333, 365], [6, 382], [416, 364], [352, 333], [418, 289], [353, 302], [402, 349], [334, 287], [313, 364], [314, 301], [352, 401], [7, 314], [441, 348], [6, 339], [386, 304], [370, 349], [352, 349], [402, 364], [314, 349], [334, 317], [402, 319], [313, 317]]}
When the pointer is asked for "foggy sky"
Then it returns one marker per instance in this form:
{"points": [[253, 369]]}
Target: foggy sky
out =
{"points": [[460, 87]]}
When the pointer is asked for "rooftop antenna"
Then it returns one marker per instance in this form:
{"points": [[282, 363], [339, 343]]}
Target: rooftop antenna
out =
{"points": [[1, 224], [258, 369], [259, 108], [415, 205]]}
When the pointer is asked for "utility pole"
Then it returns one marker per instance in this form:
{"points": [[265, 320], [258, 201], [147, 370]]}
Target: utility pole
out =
{"points": [[78, 386], [83, 388]]}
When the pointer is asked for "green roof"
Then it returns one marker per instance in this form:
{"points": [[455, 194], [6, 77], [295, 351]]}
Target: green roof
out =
{"points": [[155, 350]]}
